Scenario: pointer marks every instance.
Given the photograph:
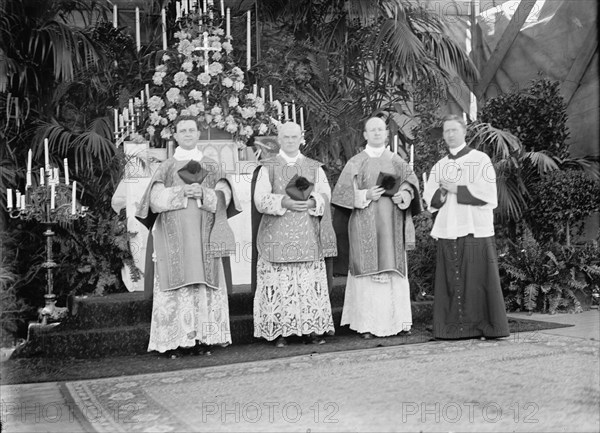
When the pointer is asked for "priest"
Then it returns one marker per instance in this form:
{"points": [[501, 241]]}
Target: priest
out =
{"points": [[382, 193], [186, 205]]}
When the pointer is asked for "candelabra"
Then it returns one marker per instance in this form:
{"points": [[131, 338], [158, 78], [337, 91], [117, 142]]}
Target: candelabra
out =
{"points": [[49, 205]]}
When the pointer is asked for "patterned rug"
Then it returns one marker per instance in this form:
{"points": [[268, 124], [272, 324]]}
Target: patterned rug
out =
{"points": [[527, 382]]}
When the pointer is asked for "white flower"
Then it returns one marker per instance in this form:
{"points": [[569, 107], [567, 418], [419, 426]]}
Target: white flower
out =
{"points": [[250, 96], [237, 71], [171, 114], [238, 86], [219, 32], [163, 121], [215, 68], [193, 109], [208, 117], [233, 101], [165, 133], [247, 131], [166, 57], [181, 34], [227, 82], [216, 110], [187, 66], [216, 56], [218, 118], [262, 129], [185, 47], [180, 79], [260, 108], [227, 47], [204, 78], [231, 127], [155, 103], [161, 68], [196, 94], [173, 95], [154, 118], [248, 112], [151, 130], [157, 78]]}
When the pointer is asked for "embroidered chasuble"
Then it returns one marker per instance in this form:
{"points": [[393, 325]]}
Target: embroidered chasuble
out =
{"points": [[292, 296], [190, 237], [380, 233]]}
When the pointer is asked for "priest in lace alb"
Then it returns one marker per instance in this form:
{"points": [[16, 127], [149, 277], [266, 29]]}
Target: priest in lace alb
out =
{"points": [[186, 205]]}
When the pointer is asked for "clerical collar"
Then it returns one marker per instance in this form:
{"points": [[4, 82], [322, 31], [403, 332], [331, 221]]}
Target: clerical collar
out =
{"points": [[289, 159], [182, 154], [459, 152], [374, 152]]}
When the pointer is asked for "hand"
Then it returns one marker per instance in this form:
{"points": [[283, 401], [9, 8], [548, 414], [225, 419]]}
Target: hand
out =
{"points": [[402, 199], [193, 190], [374, 193], [295, 205], [448, 186]]}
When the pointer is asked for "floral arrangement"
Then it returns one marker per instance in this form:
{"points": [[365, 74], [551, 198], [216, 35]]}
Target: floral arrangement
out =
{"points": [[199, 77]]}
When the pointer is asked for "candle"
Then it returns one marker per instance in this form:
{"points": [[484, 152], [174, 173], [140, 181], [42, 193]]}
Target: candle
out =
{"points": [[395, 149], [121, 120], [412, 154], [254, 89], [248, 41], [46, 155], [228, 24], [138, 41], [424, 179], [222, 8], [147, 91], [55, 175], [9, 201], [29, 158], [286, 112], [115, 16], [116, 120], [279, 111], [125, 115], [177, 10], [73, 201], [302, 118], [42, 181], [131, 106], [52, 193], [270, 93], [23, 201], [163, 15], [184, 9], [18, 203], [262, 93], [293, 111], [66, 164]]}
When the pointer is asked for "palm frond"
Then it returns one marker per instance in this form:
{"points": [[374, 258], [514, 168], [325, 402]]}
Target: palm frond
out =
{"points": [[541, 161]]}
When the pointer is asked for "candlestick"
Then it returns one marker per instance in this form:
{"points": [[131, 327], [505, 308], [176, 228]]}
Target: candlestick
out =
{"points": [[115, 16], [73, 201], [293, 112], [163, 15], [46, 155], [302, 118], [270, 93], [138, 41], [228, 24], [248, 39], [66, 164], [9, 201], [42, 176]]}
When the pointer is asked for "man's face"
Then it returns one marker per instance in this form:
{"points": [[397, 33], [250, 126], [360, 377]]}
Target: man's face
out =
{"points": [[375, 133], [289, 140], [454, 133], [187, 134]]}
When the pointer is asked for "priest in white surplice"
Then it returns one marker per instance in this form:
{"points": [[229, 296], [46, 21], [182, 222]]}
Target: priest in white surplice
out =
{"points": [[294, 237], [191, 234]]}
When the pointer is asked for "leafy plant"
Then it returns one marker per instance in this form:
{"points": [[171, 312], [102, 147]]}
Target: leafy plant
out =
{"points": [[421, 260]]}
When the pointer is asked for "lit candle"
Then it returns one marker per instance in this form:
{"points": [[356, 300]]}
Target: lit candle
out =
{"points": [[302, 118], [228, 24], [9, 201], [115, 16], [66, 164], [73, 201], [270, 93], [42, 180], [163, 15], [138, 41], [52, 193], [248, 41], [293, 112], [46, 155]]}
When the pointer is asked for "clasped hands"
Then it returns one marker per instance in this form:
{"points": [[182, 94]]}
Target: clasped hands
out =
{"points": [[402, 198], [298, 205], [193, 190]]}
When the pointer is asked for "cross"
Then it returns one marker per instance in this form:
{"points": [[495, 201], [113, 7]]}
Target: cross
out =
{"points": [[206, 49]]}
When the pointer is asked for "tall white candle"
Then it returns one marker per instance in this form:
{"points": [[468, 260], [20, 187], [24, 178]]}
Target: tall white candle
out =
{"points": [[116, 120], [147, 91], [279, 111], [138, 41], [52, 194], [73, 201], [293, 112], [395, 149], [424, 179], [121, 121], [46, 155], [9, 201], [254, 89], [66, 164], [177, 10], [204, 7], [222, 8], [412, 154], [18, 202], [228, 24], [270, 93], [42, 176], [115, 16], [163, 15], [286, 112], [248, 39], [23, 201], [302, 118], [29, 158], [55, 175], [262, 93]]}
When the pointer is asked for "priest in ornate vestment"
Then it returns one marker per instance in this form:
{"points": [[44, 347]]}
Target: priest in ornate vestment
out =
{"points": [[186, 205], [295, 234], [461, 189], [382, 192]]}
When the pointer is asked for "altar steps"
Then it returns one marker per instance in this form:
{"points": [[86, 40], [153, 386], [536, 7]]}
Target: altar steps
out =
{"points": [[119, 324]]}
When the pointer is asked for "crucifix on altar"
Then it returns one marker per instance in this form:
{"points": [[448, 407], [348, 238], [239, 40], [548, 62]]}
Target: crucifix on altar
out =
{"points": [[206, 48]]}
